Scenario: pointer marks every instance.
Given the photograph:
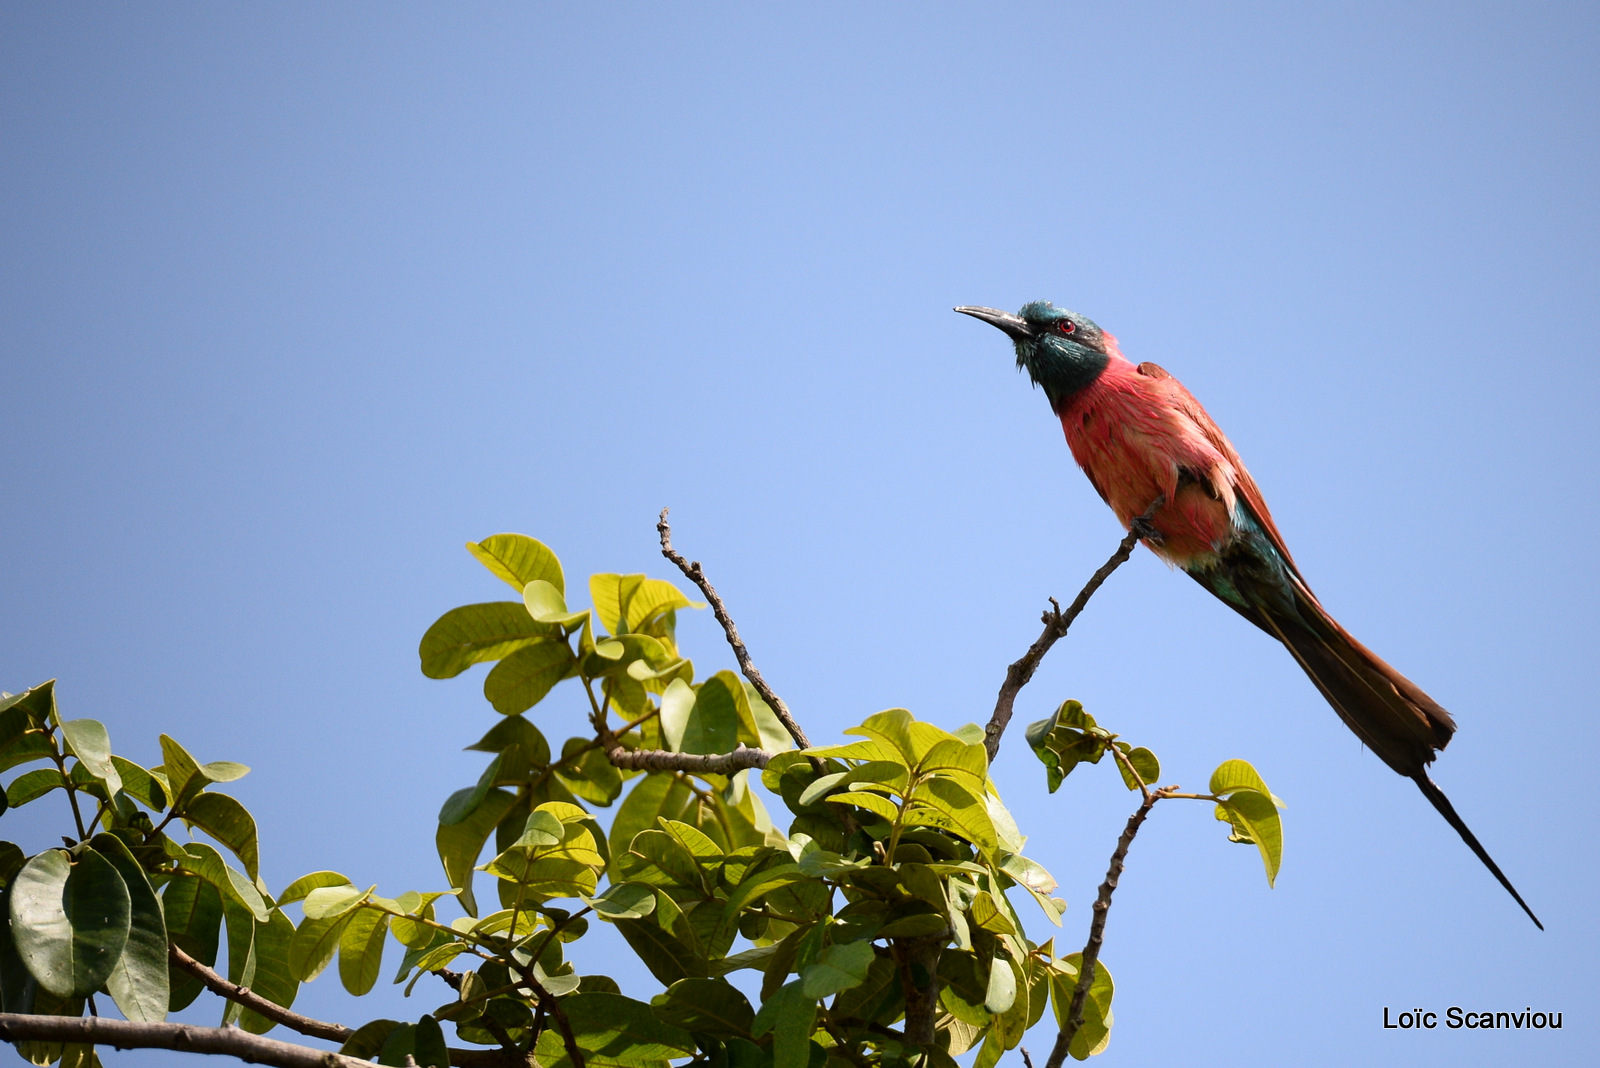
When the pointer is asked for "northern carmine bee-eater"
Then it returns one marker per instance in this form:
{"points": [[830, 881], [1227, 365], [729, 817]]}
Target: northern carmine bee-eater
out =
{"points": [[1144, 441]]}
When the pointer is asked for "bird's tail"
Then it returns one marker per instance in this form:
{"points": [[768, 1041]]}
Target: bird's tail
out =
{"points": [[1431, 791], [1386, 710], [1400, 723]]}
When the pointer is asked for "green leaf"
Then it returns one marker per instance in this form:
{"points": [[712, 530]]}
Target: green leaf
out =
{"points": [[625, 901], [542, 829], [87, 740], [649, 600], [224, 770], [1095, 1033], [475, 633], [892, 729], [369, 1038], [70, 919], [182, 770], [274, 979], [944, 804], [1145, 763], [1002, 992], [429, 1050], [839, 968], [526, 675], [313, 945], [32, 785], [1234, 775], [18, 990], [966, 764], [328, 902], [877, 804], [1255, 819], [790, 1015], [624, 1029], [138, 981], [546, 604], [241, 928], [228, 822], [361, 950], [12, 858], [302, 886], [671, 856], [460, 844], [35, 706], [514, 730], [461, 804], [518, 560], [207, 863], [668, 959], [34, 745], [140, 784], [193, 911], [660, 793], [705, 1006]]}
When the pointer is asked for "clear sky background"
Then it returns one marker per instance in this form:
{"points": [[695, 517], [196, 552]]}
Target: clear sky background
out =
{"points": [[296, 299]]}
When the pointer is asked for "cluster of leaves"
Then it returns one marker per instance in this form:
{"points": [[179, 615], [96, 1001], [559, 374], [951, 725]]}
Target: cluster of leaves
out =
{"points": [[878, 918], [887, 889], [1071, 737], [98, 915]]}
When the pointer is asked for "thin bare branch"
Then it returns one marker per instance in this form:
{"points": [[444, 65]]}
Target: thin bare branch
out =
{"points": [[1097, 927], [184, 1038], [306, 1025], [1056, 622], [697, 575], [220, 986], [695, 763]]}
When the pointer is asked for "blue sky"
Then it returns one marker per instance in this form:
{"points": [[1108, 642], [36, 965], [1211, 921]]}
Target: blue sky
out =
{"points": [[295, 300]]}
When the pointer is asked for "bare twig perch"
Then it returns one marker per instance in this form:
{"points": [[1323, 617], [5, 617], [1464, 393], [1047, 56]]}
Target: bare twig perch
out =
{"points": [[1056, 623], [697, 575]]}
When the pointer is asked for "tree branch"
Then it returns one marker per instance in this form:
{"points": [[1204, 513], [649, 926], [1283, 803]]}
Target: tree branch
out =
{"points": [[697, 763], [331, 1032], [184, 1038], [215, 983], [697, 575], [1056, 623], [1097, 926]]}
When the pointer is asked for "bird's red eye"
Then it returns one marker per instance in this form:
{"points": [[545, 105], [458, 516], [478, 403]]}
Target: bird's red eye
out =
{"points": [[1067, 326]]}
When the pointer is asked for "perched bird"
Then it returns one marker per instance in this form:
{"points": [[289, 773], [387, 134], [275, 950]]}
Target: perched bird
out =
{"points": [[1168, 471]]}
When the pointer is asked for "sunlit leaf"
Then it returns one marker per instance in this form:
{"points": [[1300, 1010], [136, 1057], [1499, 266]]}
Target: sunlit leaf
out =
{"points": [[518, 560], [475, 633]]}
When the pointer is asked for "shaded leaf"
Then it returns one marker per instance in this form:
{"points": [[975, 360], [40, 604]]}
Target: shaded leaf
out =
{"points": [[69, 920], [138, 981], [839, 968], [87, 740], [193, 911], [228, 822], [705, 1006], [523, 678], [274, 978]]}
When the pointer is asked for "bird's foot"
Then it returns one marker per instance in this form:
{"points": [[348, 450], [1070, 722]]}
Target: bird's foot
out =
{"points": [[1141, 526]]}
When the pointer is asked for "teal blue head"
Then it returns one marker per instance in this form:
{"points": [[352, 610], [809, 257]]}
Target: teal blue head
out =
{"points": [[1062, 351]]}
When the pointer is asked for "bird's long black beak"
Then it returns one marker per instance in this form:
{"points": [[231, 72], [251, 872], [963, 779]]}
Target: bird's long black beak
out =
{"points": [[1015, 328]]}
